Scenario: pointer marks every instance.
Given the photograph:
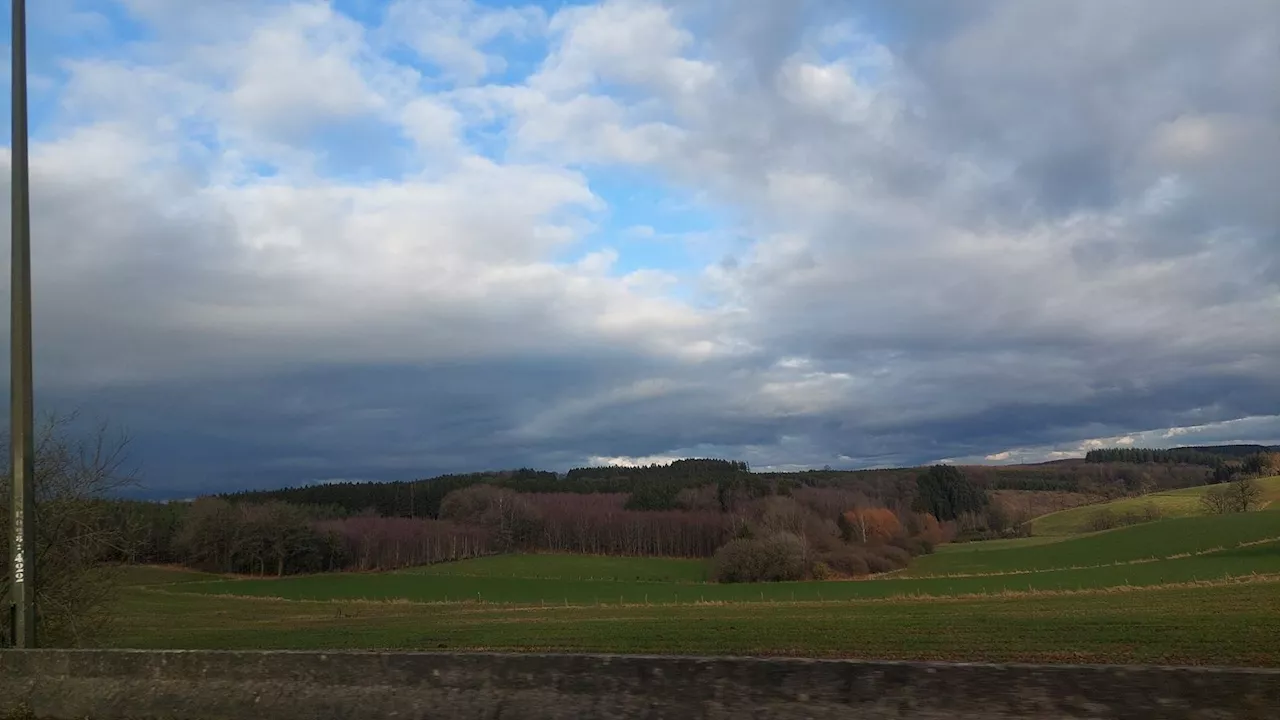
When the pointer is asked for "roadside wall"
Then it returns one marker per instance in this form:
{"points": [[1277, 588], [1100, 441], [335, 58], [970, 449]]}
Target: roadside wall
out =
{"points": [[190, 685]]}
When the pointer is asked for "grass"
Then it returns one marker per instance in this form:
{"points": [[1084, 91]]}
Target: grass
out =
{"points": [[144, 575], [986, 545], [1162, 539], [1170, 551], [427, 588], [1172, 504], [1197, 590], [575, 567], [1231, 624]]}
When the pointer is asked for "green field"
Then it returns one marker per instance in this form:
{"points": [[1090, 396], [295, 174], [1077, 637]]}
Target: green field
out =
{"points": [[986, 545], [1170, 551], [576, 568], [1172, 504], [1154, 540], [1199, 590], [1228, 624], [424, 587]]}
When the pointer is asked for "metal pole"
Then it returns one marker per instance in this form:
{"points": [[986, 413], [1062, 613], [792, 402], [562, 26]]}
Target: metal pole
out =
{"points": [[21, 425]]}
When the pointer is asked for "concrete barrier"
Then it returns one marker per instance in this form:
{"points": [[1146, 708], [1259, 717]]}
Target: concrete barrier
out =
{"points": [[198, 685]]}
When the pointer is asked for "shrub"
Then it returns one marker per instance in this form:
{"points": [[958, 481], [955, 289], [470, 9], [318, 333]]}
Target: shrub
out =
{"points": [[776, 557], [737, 561], [847, 561], [822, 571], [1103, 520], [899, 557], [785, 557], [913, 545], [877, 562]]}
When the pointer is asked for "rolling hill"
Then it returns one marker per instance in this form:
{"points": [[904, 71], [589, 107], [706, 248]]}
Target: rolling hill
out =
{"points": [[1171, 504]]}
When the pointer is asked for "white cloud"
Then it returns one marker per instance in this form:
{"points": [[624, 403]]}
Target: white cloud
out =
{"points": [[301, 67], [598, 461], [435, 127], [1259, 430], [633, 42], [925, 248], [582, 128], [452, 34]]}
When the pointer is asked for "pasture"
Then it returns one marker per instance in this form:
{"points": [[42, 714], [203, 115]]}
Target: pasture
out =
{"points": [[1171, 551], [1148, 541], [1197, 590], [1172, 504]]}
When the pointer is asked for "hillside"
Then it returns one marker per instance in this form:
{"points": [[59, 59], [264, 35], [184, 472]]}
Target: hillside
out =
{"points": [[1169, 504], [1195, 590], [1173, 538]]}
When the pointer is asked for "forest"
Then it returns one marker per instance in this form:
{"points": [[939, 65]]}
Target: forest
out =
{"points": [[657, 487], [1226, 462], [814, 523], [1210, 456], [692, 508]]}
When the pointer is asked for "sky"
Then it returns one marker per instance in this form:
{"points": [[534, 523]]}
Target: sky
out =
{"points": [[284, 242]]}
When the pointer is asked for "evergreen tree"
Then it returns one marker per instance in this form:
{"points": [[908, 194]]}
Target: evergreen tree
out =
{"points": [[944, 492]]}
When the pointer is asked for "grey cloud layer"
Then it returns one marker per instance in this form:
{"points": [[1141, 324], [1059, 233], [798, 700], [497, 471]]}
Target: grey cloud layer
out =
{"points": [[1017, 224]]}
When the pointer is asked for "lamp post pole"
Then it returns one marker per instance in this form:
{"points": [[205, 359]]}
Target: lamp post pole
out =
{"points": [[22, 445]]}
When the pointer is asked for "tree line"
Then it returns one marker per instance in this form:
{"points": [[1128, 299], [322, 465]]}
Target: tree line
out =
{"points": [[658, 487], [1208, 456], [848, 531], [675, 514]]}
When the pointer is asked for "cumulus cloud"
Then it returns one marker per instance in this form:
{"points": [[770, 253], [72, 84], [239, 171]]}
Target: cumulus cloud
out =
{"points": [[454, 35], [284, 242]]}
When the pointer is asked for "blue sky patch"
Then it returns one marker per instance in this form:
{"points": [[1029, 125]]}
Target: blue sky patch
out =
{"points": [[648, 222]]}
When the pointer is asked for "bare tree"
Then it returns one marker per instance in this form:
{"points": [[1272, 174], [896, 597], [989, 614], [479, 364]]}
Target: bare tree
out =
{"points": [[1240, 496], [75, 475], [1216, 500], [513, 520], [1245, 494]]}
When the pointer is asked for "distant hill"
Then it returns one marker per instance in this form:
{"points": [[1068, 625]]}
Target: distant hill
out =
{"points": [[658, 485]]}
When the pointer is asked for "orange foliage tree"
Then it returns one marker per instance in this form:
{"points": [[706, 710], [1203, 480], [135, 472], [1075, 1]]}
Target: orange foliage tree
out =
{"points": [[930, 530], [873, 525]]}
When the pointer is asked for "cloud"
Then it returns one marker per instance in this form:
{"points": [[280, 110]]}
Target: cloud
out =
{"points": [[301, 68], [1256, 430], [633, 461], [290, 241], [454, 35]]}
